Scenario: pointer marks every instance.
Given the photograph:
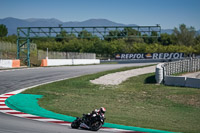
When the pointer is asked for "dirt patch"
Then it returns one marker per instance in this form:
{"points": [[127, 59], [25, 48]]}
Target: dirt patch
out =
{"points": [[119, 77]]}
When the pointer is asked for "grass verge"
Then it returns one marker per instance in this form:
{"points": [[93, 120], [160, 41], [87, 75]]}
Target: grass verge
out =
{"points": [[136, 102]]}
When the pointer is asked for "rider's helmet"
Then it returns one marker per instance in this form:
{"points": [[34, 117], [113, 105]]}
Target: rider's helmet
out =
{"points": [[102, 110]]}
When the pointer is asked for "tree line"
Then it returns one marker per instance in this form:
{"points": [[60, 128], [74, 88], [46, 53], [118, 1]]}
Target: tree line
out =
{"points": [[183, 39]]}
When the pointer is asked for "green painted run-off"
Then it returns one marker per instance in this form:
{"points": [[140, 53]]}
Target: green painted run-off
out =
{"points": [[28, 103]]}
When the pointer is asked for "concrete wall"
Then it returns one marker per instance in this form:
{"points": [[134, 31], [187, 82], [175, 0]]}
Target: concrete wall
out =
{"points": [[192, 82], [85, 61], [6, 63], [175, 80], [182, 81], [9, 63], [60, 62]]}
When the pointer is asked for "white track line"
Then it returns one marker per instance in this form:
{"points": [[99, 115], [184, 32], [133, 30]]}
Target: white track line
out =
{"points": [[19, 69], [8, 111]]}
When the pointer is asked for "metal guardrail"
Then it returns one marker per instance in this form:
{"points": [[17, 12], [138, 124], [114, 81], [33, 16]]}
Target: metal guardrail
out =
{"points": [[187, 65]]}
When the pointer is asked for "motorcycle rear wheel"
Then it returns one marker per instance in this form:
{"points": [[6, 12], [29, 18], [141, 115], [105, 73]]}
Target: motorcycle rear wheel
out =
{"points": [[96, 126]]}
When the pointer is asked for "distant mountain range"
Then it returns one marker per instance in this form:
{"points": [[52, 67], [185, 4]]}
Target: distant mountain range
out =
{"points": [[13, 23]]}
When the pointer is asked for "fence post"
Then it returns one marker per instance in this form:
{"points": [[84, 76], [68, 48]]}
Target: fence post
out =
{"points": [[188, 67], [174, 67], [192, 68], [181, 66], [175, 63], [198, 64], [166, 68]]}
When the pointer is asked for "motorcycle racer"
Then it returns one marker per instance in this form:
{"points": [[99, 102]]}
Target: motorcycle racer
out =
{"points": [[95, 112], [91, 121]]}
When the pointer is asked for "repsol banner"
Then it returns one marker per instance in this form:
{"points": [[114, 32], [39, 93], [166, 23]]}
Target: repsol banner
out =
{"points": [[149, 56]]}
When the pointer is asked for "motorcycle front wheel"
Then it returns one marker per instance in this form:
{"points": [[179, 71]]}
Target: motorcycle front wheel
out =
{"points": [[76, 123]]}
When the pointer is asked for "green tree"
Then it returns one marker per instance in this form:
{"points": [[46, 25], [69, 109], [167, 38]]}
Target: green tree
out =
{"points": [[113, 35], [145, 38], [74, 45], [131, 32], [197, 39], [98, 46], [165, 39], [10, 38], [150, 39], [184, 35], [3, 30], [154, 37], [64, 36], [85, 34], [133, 35]]}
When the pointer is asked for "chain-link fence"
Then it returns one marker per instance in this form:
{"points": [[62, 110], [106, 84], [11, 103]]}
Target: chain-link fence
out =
{"points": [[65, 55], [187, 65], [7, 46], [7, 50], [165, 73], [8, 55]]}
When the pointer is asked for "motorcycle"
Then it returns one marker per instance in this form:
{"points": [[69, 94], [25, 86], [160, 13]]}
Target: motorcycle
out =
{"points": [[93, 123]]}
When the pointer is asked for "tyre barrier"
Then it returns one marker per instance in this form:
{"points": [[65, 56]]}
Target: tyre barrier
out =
{"points": [[159, 73]]}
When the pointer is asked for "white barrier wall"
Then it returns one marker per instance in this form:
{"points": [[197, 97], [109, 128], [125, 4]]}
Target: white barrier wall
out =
{"points": [[6, 63], [85, 61], [10, 63], [60, 62]]}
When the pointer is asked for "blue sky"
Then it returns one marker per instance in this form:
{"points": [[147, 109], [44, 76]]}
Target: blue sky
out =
{"points": [[167, 13]]}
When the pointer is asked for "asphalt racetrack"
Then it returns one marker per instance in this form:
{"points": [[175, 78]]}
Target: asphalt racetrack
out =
{"points": [[16, 79]]}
